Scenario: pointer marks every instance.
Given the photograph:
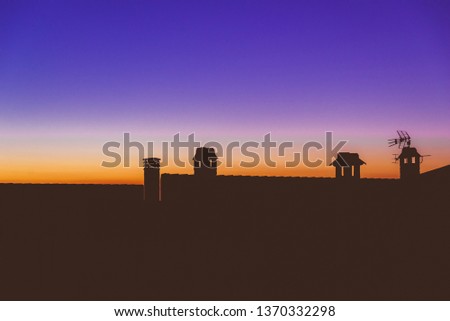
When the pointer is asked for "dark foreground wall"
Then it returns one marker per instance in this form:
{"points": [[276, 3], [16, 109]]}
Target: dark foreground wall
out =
{"points": [[252, 239]]}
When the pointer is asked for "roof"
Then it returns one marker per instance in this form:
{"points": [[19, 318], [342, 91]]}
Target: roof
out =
{"points": [[442, 172], [345, 159], [205, 154], [409, 152]]}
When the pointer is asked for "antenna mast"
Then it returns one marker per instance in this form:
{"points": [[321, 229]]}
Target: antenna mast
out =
{"points": [[403, 140]]}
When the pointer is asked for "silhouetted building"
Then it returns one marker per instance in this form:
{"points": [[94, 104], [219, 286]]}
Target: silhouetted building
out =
{"points": [[409, 158], [205, 162], [409, 163], [348, 165], [151, 179], [213, 235], [441, 173]]}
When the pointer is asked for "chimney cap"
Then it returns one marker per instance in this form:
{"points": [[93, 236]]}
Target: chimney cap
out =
{"points": [[151, 162]]}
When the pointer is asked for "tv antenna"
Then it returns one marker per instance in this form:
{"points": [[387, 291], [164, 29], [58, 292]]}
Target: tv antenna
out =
{"points": [[395, 158], [422, 156], [403, 140]]}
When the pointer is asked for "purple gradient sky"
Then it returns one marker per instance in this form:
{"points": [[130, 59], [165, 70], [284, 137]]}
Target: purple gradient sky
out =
{"points": [[74, 74]]}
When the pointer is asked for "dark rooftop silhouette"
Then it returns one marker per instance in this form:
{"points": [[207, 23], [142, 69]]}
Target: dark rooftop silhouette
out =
{"points": [[215, 237], [349, 163], [438, 173]]}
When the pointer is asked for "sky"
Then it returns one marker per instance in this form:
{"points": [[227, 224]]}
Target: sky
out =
{"points": [[77, 74]]}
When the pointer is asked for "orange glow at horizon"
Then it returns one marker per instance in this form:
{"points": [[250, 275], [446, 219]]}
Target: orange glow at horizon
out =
{"points": [[84, 173], [72, 160]]}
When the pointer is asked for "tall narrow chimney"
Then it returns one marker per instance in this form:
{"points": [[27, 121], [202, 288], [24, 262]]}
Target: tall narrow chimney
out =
{"points": [[151, 179]]}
